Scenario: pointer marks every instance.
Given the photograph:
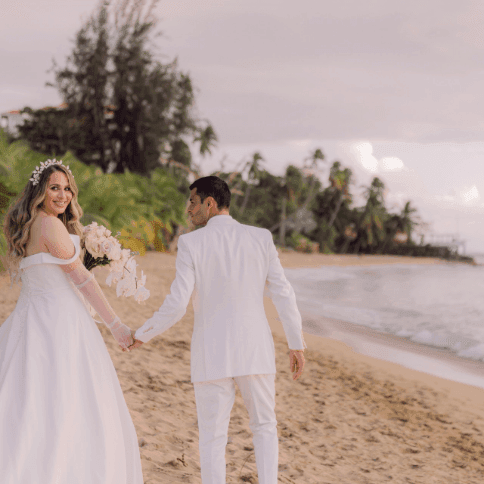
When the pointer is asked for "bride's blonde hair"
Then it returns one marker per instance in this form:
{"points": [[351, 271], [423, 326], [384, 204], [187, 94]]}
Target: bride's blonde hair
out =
{"points": [[23, 211]]}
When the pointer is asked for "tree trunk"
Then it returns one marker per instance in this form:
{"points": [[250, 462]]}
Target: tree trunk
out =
{"points": [[346, 244], [282, 227], [336, 210], [246, 199], [311, 195], [287, 219], [236, 195], [357, 247]]}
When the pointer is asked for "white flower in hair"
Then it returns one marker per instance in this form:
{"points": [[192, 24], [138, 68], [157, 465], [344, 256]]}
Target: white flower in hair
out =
{"points": [[43, 165]]}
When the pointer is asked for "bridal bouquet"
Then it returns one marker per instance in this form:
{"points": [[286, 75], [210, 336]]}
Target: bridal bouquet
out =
{"points": [[103, 249]]}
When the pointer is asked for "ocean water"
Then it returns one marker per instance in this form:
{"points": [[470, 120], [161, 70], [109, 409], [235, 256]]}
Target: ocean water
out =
{"points": [[438, 305]]}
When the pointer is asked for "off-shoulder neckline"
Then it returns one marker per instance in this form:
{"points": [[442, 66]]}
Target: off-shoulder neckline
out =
{"points": [[48, 253], [47, 257]]}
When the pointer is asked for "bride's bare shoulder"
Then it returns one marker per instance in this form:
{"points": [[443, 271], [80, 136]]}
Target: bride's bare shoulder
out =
{"points": [[53, 233], [51, 223], [35, 243]]}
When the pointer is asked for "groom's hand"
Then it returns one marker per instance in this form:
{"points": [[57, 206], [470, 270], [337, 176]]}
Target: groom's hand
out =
{"points": [[128, 343], [135, 344], [296, 361]]}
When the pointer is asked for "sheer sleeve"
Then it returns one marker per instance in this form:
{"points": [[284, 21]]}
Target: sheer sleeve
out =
{"points": [[60, 245], [90, 289]]}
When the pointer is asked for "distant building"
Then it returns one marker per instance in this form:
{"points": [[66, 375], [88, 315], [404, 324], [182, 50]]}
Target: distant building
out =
{"points": [[452, 241], [10, 121], [400, 238]]}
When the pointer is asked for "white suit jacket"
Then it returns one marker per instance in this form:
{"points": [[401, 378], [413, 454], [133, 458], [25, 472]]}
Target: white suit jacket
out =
{"points": [[226, 265]]}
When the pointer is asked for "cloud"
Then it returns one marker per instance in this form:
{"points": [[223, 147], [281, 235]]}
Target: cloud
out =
{"points": [[364, 154], [392, 164], [470, 195]]}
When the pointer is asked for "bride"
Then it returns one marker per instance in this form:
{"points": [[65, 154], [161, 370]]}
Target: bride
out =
{"points": [[63, 417]]}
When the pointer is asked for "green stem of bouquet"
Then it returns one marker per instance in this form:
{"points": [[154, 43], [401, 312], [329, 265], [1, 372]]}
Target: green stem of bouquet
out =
{"points": [[90, 262]]}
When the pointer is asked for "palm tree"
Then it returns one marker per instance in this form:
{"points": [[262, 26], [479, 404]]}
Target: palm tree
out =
{"points": [[295, 184], [340, 181], [370, 226], [253, 172], [314, 161], [408, 223], [401, 224], [392, 227], [235, 180], [207, 139]]}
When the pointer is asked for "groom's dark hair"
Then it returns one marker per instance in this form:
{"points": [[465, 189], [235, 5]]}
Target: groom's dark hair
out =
{"points": [[213, 186]]}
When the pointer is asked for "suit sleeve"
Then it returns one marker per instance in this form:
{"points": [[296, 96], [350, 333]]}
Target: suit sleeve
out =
{"points": [[283, 297], [175, 304]]}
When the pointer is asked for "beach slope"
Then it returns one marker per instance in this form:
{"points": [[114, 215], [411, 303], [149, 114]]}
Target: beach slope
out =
{"points": [[350, 418]]}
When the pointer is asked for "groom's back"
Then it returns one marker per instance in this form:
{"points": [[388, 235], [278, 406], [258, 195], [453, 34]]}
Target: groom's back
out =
{"points": [[231, 262], [231, 335]]}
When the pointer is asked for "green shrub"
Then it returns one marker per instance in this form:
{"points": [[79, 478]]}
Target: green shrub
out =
{"points": [[300, 243]]}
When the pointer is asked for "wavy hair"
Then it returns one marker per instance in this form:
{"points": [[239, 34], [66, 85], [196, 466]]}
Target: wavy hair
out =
{"points": [[24, 210]]}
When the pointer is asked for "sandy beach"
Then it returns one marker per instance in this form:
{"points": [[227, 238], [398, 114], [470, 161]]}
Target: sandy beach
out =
{"points": [[351, 418]]}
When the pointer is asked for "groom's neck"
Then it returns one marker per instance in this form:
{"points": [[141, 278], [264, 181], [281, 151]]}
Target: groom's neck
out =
{"points": [[224, 211]]}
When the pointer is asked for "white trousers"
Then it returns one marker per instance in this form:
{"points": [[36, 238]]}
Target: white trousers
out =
{"points": [[214, 402]]}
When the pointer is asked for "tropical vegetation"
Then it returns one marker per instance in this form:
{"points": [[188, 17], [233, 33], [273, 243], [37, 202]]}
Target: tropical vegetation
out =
{"points": [[144, 210]]}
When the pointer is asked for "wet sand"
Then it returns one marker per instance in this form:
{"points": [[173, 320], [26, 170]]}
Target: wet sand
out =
{"points": [[350, 418]]}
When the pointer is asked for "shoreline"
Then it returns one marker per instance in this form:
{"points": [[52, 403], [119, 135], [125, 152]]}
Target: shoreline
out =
{"points": [[387, 347], [431, 360], [300, 260], [358, 345]]}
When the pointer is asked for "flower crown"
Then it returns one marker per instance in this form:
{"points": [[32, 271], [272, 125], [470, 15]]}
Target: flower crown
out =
{"points": [[43, 165]]}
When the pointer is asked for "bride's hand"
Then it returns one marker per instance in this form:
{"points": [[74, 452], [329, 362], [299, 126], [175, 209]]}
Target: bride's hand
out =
{"points": [[121, 332], [136, 343], [127, 345]]}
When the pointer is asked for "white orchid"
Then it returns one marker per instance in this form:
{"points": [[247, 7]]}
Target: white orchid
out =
{"points": [[142, 294], [130, 266], [117, 266], [114, 277], [142, 280], [126, 287]]}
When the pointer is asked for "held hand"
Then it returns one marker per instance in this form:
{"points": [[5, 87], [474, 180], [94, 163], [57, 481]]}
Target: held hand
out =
{"points": [[121, 333], [296, 363], [127, 345], [123, 337], [136, 343]]}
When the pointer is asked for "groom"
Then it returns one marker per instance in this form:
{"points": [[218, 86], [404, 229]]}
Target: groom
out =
{"points": [[226, 266]]}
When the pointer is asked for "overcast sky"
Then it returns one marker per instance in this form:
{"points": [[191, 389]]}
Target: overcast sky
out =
{"points": [[390, 88]]}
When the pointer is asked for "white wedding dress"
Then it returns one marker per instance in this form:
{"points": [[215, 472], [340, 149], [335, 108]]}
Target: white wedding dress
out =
{"points": [[63, 417]]}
